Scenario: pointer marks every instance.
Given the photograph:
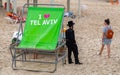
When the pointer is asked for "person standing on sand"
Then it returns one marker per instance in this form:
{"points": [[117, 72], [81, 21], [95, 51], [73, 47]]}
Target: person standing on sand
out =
{"points": [[71, 44], [105, 40]]}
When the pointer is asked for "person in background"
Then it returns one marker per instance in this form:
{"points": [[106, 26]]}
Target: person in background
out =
{"points": [[71, 44], [5, 5], [106, 41]]}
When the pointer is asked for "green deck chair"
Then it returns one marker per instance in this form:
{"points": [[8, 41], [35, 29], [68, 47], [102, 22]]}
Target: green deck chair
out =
{"points": [[41, 34]]}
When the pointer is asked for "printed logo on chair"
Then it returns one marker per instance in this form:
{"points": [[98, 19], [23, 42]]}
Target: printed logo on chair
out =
{"points": [[44, 18]]}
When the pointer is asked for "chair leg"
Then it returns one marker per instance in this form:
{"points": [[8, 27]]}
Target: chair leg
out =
{"points": [[35, 55]]}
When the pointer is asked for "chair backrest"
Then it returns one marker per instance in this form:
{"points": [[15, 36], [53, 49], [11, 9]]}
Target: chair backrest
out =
{"points": [[42, 28]]}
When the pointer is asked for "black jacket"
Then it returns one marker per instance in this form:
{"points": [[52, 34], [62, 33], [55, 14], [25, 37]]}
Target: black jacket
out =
{"points": [[70, 36]]}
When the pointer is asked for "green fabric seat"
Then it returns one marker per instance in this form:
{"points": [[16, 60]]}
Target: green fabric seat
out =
{"points": [[42, 28]]}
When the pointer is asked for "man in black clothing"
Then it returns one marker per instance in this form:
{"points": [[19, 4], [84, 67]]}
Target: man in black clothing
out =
{"points": [[71, 44]]}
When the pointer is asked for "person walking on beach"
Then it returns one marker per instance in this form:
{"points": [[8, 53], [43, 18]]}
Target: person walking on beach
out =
{"points": [[107, 36], [71, 44]]}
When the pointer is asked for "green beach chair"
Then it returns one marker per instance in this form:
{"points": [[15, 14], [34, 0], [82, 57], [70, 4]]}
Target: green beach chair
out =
{"points": [[41, 34]]}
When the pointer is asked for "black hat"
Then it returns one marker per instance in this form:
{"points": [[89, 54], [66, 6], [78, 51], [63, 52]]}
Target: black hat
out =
{"points": [[70, 23]]}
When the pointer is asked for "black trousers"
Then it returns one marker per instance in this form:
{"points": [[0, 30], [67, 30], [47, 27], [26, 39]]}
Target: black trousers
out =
{"points": [[72, 48]]}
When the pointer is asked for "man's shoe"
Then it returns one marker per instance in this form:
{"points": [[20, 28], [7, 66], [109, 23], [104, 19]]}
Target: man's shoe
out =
{"points": [[70, 62], [79, 63]]}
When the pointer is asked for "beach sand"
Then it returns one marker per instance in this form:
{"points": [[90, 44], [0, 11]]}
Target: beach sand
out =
{"points": [[88, 32]]}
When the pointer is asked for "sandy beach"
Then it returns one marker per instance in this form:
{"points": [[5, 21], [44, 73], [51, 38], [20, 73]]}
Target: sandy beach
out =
{"points": [[88, 32]]}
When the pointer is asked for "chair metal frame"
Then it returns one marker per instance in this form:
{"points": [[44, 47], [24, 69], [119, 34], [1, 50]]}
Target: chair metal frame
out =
{"points": [[23, 52]]}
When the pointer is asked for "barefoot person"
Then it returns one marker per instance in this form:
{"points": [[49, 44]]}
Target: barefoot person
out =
{"points": [[106, 39], [71, 44]]}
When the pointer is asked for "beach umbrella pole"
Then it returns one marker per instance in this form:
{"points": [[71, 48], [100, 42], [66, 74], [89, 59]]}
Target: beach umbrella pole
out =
{"points": [[68, 5], [35, 2], [0, 3], [15, 6], [79, 10], [8, 5], [28, 1]]}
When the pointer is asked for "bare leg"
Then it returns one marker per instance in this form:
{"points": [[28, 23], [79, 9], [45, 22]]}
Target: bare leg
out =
{"points": [[108, 48], [101, 49]]}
